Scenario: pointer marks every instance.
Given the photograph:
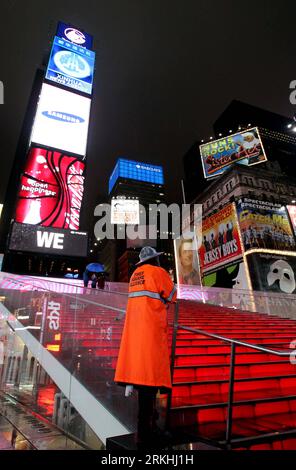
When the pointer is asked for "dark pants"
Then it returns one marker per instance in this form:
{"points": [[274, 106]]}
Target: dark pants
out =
{"points": [[147, 414]]}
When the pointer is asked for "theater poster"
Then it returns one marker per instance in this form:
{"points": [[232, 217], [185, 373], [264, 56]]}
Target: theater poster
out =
{"points": [[272, 272], [244, 147], [51, 190], [220, 240], [264, 225]]}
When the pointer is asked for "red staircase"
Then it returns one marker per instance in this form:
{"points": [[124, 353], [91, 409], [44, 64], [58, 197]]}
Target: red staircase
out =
{"points": [[264, 395], [264, 399]]}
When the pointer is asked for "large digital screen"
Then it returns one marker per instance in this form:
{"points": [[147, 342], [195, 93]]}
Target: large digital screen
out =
{"points": [[74, 35], [220, 240], [125, 211], [264, 224], [137, 171], [244, 147], [71, 65], [51, 190], [61, 120], [48, 240]]}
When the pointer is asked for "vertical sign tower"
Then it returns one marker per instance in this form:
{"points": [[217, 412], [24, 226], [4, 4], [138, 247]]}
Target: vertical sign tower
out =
{"points": [[49, 198]]}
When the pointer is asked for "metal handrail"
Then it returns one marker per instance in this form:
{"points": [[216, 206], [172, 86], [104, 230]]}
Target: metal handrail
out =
{"points": [[234, 343]]}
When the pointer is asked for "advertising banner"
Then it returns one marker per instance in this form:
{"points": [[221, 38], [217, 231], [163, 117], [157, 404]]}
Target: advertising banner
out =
{"points": [[47, 240], [292, 215], [71, 65], [125, 211], [244, 147], [272, 272], [74, 35], [220, 240], [61, 120], [264, 225], [186, 260], [230, 277], [51, 190]]}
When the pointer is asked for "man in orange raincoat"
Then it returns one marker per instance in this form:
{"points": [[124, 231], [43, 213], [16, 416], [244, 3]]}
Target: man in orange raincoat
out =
{"points": [[144, 357]]}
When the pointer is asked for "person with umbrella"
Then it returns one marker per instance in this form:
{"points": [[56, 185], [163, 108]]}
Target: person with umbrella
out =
{"points": [[96, 273]]}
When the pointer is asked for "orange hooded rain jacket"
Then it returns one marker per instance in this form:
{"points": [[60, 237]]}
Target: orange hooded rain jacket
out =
{"points": [[144, 357]]}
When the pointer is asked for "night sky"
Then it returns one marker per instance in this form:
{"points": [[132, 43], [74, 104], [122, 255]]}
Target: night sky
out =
{"points": [[165, 70]]}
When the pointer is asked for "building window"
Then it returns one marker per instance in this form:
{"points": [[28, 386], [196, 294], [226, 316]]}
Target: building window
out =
{"points": [[250, 182], [213, 199], [218, 194]]}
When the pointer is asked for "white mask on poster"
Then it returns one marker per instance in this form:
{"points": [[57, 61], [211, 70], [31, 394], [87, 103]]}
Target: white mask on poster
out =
{"points": [[281, 271]]}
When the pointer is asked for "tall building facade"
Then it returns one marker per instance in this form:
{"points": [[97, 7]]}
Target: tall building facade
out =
{"points": [[133, 187]]}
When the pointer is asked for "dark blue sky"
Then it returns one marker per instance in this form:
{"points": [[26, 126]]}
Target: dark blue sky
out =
{"points": [[164, 71]]}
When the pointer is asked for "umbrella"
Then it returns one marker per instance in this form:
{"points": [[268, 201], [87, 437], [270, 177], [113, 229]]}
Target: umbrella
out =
{"points": [[95, 268]]}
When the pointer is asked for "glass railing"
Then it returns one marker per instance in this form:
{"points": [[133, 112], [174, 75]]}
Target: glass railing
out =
{"points": [[47, 326]]}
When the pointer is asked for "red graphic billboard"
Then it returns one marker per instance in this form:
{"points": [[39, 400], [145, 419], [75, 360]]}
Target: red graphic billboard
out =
{"points": [[220, 240], [51, 190]]}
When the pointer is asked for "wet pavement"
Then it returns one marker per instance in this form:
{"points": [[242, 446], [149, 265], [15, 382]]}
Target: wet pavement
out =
{"points": [[21, 429]]}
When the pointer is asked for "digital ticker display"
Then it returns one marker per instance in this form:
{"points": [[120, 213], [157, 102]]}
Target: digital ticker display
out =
{"points": [[136, 170], [47, 240], [71, 65], [61, 120], [51, 190]]}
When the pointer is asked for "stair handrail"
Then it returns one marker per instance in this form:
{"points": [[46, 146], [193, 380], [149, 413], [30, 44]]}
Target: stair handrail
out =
{"points": [[234, 343]]}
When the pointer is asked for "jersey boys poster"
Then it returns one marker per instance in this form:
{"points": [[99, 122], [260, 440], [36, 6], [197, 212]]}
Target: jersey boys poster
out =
{"points": [[51, 190], [220, 240]]}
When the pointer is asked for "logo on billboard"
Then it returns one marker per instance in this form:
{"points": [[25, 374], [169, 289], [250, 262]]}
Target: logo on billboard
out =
{"points": [[54, 315], [66, 117], [50, 240], [72, 64], [74, 35]]}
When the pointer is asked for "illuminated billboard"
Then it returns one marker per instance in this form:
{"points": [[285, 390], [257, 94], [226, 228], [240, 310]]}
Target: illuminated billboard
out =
{"points": [[125, 211], [48, 240], [71, 65], [186, 260], [137, 171], [51, 190], [74, 35], [61, 120], [273, 272], [264, 224], [245, 148], [220, 240]]}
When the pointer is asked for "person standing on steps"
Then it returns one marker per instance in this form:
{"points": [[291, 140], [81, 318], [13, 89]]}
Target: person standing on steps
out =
{"points": [[144, 357]]}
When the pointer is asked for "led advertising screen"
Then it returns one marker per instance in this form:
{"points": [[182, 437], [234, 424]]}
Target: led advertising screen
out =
{"points": [[244, 147], [51, 190], [125, 211], [61, 120], [48, 240], [273, 272], [137, 171], [71, 65], [220, 240], [264, 225], [74, 35]]}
